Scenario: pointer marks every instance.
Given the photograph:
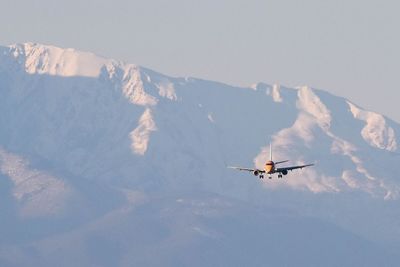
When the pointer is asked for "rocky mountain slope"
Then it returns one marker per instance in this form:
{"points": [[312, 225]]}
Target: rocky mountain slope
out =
{"points": [[109, 163]]}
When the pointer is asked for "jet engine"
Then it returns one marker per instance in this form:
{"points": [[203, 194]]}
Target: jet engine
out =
{"points": [[256, 173], [284, 172]]}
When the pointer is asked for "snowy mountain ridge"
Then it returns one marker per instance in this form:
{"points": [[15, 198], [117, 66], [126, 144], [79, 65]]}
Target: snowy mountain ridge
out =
{"points": [[44, 59], [92, 141], [146, 88]]}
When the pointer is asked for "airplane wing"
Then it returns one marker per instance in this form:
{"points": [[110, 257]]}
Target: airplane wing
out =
{"points": [[292, 168], [245, 169]]}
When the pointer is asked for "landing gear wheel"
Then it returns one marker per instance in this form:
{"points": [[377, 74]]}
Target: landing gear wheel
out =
{"points": [[270, 177], [261, 176], [280, 176]]}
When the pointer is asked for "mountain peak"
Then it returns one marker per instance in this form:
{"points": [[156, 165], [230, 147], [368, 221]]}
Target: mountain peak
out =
{"points": [[46, 59]]}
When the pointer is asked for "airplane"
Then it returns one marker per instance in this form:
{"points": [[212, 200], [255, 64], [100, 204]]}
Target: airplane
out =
{"points": [[270, 167]]}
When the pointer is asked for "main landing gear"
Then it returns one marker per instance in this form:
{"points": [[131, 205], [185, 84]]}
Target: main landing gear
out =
{"points": [[262, 176]]}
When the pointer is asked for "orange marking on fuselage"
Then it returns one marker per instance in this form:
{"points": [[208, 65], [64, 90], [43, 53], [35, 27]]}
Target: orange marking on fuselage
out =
{"points": [[269, 167]]}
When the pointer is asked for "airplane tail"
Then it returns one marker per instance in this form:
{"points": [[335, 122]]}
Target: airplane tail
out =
{"points": [[270, 151], [270, 155]]}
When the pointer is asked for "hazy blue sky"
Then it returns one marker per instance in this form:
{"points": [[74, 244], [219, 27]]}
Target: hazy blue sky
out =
{"points": [[350, 48]]}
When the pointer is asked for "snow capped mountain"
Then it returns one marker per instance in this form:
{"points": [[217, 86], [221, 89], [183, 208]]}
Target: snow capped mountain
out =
{"points": [[89, 145], [50, 60]]}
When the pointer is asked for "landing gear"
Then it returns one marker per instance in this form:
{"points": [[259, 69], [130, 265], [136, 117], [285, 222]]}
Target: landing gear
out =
{"points": [[270, 177], [261, 176], [279, 175]]}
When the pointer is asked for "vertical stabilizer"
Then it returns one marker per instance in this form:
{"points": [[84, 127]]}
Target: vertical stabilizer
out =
{"points": [[270, 151]]}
